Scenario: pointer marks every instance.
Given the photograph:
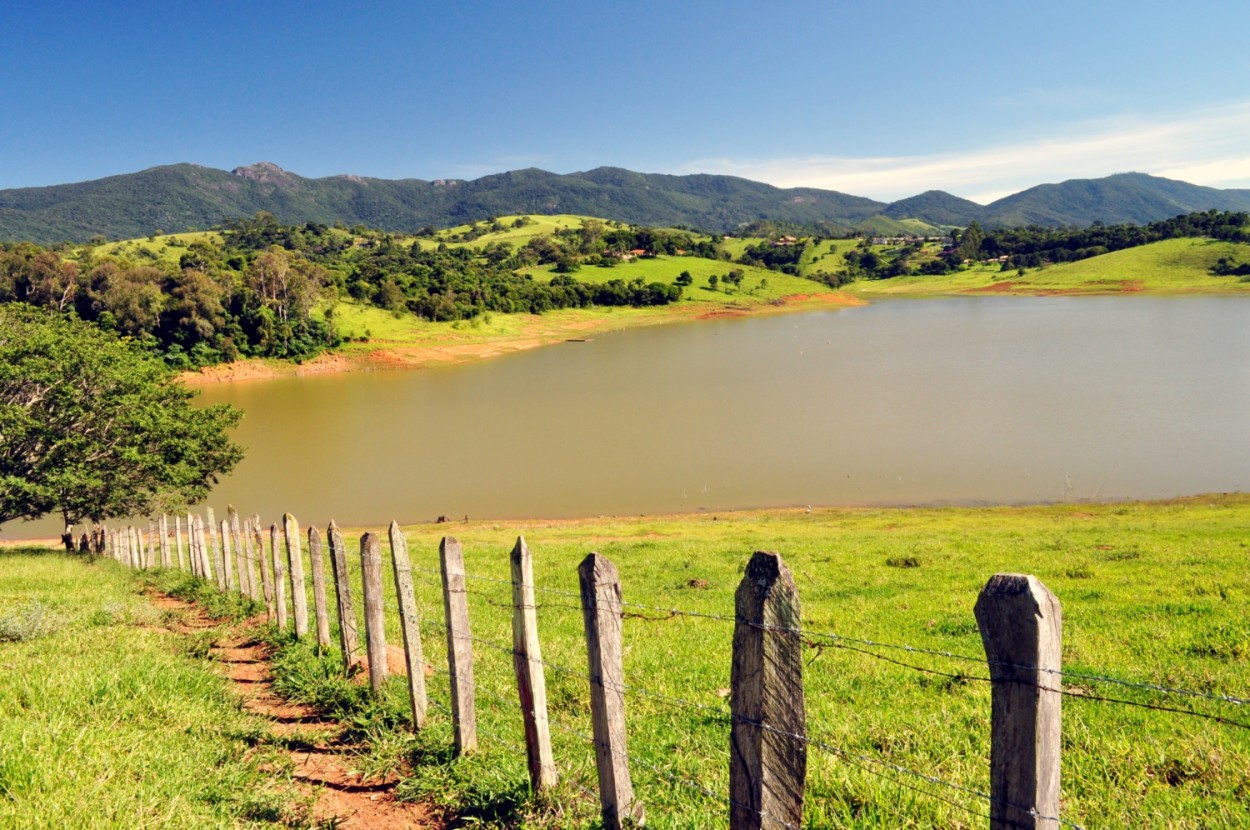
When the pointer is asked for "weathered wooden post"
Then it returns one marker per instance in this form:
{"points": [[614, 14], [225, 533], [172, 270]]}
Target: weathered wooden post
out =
{"points": [[1021, 626], [409, 624], [227, 555], [601, 612], [182, 563], [240, 555], [279, 577], [152, 557], [192, 553], [375, 620], [201, 544], [349, 637], [299, 596], [459, 645], [165, 563], [317, 561], [527, 659], [240, 563], [218, 567], [768, 738], [266, 571], [249, 542]]}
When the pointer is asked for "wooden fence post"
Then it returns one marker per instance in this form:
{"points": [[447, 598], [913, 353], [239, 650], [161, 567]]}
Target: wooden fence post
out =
{"points": [[279, 577], [527, 659], [459, 645], [219, 567], [317, 561], [165, 563], [349, 637], [253, 579], [227, 555], [375, 619], [768, 738], [266, 571], [409, 624], [201, 548], [153, 560], [190, 546], [178, 540], [240, 551], [601, 612], [1021, 627], [299, 595]]}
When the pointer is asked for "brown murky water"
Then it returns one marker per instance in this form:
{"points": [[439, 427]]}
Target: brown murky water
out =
{"points": [[976, 400]]}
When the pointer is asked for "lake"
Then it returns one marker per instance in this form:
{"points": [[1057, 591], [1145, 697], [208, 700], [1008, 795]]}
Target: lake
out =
{"points": [[952, 400]]}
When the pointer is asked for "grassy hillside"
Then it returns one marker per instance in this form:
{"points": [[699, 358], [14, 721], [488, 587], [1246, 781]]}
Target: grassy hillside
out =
{"points": [[108, 719], [886, 579], [1174, 266], [1153, 595]]}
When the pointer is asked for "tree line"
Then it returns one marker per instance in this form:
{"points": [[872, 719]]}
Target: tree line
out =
{"points": [[257, 291]]}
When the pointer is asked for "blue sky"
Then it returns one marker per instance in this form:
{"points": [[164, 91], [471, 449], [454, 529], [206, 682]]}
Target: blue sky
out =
{"points": [[879, 100]]}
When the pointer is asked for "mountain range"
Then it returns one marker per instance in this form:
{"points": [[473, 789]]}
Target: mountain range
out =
{"points": [[182, 197]]}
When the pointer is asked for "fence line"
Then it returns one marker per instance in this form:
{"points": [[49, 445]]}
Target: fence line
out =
{"points": [[1020, 796]]}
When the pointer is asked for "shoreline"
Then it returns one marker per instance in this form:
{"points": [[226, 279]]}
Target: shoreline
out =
{"points": [[452, 346], [784, 513]]}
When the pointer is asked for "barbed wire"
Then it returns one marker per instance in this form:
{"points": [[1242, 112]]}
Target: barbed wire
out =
{"points": [[730, 719]]}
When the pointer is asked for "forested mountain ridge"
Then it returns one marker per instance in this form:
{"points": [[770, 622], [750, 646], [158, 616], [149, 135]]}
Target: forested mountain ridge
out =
{"points": [[186, 196]]}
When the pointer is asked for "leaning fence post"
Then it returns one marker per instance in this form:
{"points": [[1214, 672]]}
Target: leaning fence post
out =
{"points": [[349, 638], [601, 612], [227, 556], [219, 566], [317, 561], [1021, 626], [164, 541], [240, 553], [459, 645], [266, 570], [279, 574], [768, 738], [299, 596], [375, 619], [527, 659], [409, 624], [206, 567], [251, 560]]}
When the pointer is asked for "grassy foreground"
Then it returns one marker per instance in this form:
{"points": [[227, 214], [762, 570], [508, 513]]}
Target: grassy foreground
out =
{"points": [[1151, 593], [108, 719]]}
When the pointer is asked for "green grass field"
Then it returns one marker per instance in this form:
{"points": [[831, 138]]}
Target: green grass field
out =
{"points": [[1152, 593], [1173, 266], [165, 249], [108, 719]]}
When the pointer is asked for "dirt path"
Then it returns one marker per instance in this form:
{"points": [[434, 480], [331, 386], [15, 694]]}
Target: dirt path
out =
{"points": [[321, 758]]}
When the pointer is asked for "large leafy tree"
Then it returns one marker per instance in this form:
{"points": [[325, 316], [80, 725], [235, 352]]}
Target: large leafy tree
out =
{"points": [[92, 428]]}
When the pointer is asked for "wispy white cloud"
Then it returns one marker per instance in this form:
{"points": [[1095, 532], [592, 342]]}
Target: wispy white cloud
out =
{"points": [[1208, 146]]}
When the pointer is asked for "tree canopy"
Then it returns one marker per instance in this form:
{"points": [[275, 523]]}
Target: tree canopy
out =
{"points": [[93, 428]]}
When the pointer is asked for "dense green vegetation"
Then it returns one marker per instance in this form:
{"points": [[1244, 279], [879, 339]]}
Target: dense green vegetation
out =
{"points": [[92, 428], [260, 288]]}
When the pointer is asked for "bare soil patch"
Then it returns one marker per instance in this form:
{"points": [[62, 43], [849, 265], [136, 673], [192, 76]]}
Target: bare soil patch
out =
{"points": [[321, 759]]}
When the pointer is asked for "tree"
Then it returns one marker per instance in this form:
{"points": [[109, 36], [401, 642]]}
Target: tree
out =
{"points": [[92, 428]]}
